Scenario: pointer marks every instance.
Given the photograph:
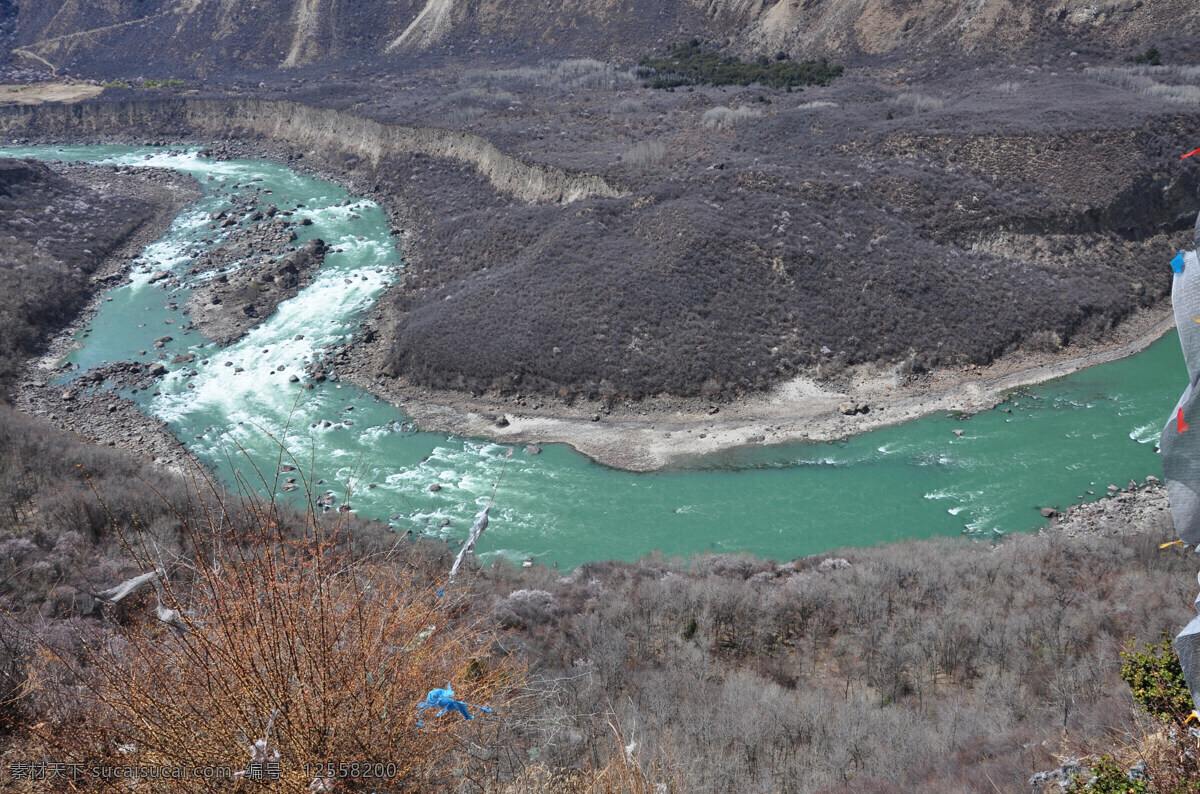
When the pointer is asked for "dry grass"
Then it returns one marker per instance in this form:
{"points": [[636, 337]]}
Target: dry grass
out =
{"points": [[645, 153], [918, 103], [280, 635], [722, 118], [1176, 84], [37, 93]]}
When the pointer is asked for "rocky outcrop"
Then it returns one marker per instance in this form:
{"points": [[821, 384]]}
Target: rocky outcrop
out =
{"points": [[227, 305], [319, 133]]}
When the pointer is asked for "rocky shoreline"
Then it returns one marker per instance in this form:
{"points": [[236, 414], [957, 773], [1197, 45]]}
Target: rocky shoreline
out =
{"points": [[662, 432], [1131, 509], [100, 416]]}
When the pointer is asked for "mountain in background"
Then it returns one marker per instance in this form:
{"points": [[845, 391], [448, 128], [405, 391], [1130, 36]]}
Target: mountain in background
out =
{"points": [[213, 37]]}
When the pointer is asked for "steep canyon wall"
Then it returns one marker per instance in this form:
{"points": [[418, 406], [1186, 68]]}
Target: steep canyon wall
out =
{"points": [[324, 135]]}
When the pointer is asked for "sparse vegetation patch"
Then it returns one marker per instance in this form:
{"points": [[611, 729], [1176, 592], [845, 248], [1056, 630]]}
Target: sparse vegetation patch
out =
{"points": [[919, 103], [725, 118], [569, 75], [645, 153]]}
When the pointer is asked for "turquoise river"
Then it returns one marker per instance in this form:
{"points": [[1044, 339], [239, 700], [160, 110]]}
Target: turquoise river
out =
{"points": [[1062, 439]]}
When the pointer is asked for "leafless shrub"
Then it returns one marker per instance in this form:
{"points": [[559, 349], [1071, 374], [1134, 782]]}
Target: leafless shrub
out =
{"points": [[526, 608], [627, 106], [493, 97], [918, 103], [568, 75], [723, 118], [645, 153], [623, 773], [742, 566], [1179, 94], [279, 634], [462, 116], [1044, 342], [935, 666]]}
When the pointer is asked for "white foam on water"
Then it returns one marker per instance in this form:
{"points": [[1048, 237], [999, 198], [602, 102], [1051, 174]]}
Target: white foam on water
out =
{"points": [[322, 313], [815, 462], [980, 524], [1147, 434], [936, 459]]}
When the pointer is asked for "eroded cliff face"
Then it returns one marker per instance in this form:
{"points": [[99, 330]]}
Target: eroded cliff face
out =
{"points": [[326, 135], [212, 38], [939, 28]]}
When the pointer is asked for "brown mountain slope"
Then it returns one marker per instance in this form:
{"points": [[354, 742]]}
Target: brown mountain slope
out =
{"points": [[210, 37]]}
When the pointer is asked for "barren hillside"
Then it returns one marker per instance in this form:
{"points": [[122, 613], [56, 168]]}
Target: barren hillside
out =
{"points": [[213, 37]]}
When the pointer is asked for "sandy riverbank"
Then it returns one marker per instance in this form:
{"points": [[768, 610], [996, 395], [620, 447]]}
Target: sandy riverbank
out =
{"points": [[664, 432]]}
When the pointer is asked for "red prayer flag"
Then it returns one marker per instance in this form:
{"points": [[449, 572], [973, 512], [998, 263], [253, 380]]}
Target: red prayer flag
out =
{"points": [[1189, 154], [1180, 425]]}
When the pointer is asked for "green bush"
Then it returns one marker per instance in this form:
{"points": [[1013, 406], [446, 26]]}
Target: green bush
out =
{"points": [[1156, 680], [1108, 778], [1151, 57], [689, 64]]}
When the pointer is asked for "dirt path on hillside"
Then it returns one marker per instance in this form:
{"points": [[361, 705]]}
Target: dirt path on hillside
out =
{"points": [[37, 93]]}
